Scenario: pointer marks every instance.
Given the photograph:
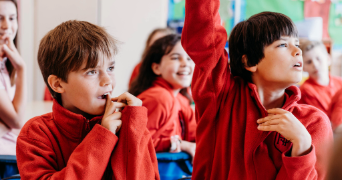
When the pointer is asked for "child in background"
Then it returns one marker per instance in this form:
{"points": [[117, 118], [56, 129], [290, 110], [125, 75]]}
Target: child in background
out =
{"points": [[165, 70], [321, 86], [335, 113], [249, 125], [84, 137], [12, 79], [155, 34]]}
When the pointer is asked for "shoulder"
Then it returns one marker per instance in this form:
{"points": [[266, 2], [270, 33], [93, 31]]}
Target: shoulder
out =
{"points": [[158, 95], [38, 128]]}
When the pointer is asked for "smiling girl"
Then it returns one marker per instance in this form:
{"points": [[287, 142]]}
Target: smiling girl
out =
{"points": [[165, 72], [12, 78]]}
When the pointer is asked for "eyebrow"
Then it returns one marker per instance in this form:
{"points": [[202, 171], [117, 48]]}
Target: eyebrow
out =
{"points": [[1, 15], [111, 63], [175, 54]]}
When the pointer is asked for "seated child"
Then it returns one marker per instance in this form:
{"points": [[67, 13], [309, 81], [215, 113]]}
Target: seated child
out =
{"points": [[85, 137], [155, 34], [12, 80], [165, 71], [249, 125], [335, 113], [319, 89]]}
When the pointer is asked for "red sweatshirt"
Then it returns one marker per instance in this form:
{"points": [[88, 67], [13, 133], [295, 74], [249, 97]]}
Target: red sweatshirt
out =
{"points": [[228, 143], [167, 115], [135, 74], [335, 110], [65, 145], [320, 96]]}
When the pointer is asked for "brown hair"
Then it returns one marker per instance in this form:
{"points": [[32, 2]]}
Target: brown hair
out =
{"points": [[307, 45], [66, 47], [250, 37], [154, 54], [167, 31], [10, 68]]}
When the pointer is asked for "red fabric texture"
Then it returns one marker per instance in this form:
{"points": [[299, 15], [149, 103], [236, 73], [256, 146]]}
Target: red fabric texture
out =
{"points": [[135, 74], [165, 112], [47, 95], [65, 145], [335, 110], [320, 96], [228, 143]]}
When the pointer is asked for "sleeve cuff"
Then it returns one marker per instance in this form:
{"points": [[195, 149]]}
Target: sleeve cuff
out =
{"points": [[301, 162]]}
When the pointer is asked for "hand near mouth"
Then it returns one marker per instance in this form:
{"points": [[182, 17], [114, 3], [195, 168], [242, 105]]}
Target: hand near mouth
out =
{"points": [[112, 119], [128, 99], [9, 50]]}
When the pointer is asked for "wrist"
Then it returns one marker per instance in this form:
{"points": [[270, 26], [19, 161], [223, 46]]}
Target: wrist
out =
{"points": [[302, 145]]}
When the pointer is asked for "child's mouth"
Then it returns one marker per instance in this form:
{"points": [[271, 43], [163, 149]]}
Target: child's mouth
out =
{"points": [[104, 96]]}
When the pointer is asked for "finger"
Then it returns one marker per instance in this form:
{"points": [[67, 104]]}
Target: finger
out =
{"points": [[269, 118], [9, 41], [276, 111], [110, 107], [114, 116], [10, 54], [119, 104], [268, 128], [272, 122]]}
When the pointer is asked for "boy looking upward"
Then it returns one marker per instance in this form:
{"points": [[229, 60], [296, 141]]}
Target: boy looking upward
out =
{"points": [[319, 89], [85, 137], [249, 123]]}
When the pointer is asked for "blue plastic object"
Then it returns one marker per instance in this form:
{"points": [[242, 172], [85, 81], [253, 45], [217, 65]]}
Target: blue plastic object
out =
{"points": [[173, 166], [8, 166]]}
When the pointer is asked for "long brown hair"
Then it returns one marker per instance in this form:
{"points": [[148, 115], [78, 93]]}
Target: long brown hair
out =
{"points": [[167, 31], [10, 68], [154, 54]]}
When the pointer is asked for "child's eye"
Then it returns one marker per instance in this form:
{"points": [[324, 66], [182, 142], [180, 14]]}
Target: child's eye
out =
{"points": [[189, 59], [174, 58], [298, 45], [11, 18], [111, 68], [93, 72], [282, 45]]}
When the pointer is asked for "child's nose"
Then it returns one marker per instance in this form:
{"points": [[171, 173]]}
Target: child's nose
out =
{"points": [[4, 24], [106, 80], [297, 51]]}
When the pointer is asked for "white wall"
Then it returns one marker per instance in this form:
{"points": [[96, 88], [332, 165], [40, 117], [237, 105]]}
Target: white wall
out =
{"points": [[131, 21]]}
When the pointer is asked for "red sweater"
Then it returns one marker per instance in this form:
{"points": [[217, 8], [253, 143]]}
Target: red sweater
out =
{"points": [[135, 74], [335, 110], [65, 145], [320, 96], [167, 115], [228, 143]]}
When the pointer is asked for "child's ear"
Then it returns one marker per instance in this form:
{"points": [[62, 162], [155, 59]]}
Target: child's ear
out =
{"points": [[55, 83], [156, 69], [248, 68]]}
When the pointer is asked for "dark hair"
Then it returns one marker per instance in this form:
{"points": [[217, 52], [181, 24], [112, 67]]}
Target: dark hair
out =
{"points": [[250, 37], [10, 68], [167, 31], [154, 54], [66, 47]]}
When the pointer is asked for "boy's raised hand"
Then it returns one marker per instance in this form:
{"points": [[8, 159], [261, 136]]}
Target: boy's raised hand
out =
{"points": [[112, 119], [286, 124], [128, 99]]}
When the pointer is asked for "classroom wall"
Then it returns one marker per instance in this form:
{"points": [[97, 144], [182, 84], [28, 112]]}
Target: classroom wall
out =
{"points": [[129, 22]]}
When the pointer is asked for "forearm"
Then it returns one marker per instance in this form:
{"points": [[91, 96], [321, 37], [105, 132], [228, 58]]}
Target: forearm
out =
{"points": [[20, 97]]}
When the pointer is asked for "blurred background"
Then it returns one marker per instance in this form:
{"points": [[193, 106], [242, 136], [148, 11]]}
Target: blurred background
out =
{"points": [[131, 22]]}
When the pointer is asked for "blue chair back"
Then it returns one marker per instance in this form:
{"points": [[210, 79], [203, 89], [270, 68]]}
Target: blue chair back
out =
{"points": [[174, 166], [8, 166]]}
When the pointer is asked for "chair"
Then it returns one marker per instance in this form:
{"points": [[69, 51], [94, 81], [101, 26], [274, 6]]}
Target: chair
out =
{"points": [[8, 166], [174, 166]]}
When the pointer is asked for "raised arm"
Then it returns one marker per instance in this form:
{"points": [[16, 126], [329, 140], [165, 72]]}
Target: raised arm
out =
{"points": [[204, 39]]}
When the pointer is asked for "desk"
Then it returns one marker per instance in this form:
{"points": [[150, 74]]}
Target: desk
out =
{"points": [[37, 108]]}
